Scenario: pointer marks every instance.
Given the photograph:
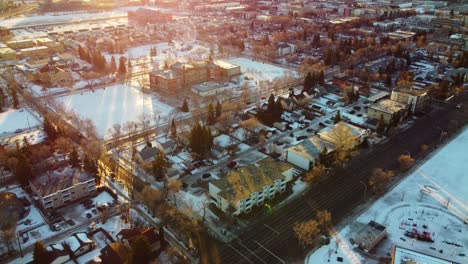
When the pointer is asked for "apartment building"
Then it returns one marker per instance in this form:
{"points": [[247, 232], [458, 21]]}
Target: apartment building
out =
{"points": [[60, 187], [331, 134], [386, 109], [305, 154], [250, 186], [417, 99]]}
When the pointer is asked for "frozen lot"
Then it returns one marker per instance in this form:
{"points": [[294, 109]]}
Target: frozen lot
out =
{"points": [[14, 119], [432, 199], [260, 71], [117, 104]]}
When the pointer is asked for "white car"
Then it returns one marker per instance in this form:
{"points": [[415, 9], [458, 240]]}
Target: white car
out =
{"points": [[57, 227]]}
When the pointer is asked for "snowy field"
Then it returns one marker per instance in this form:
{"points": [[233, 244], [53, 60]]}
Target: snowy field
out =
{"points": [[14, 119], [117, 104], [432, 199], [260, 71], [35, 19], [178, 51]]}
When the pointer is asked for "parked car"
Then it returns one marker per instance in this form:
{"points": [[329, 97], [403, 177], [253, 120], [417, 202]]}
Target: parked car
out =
{"points": [[232, 164], [357, 108], [88, 215], [352, 112], [56, 227], [322, 124], [310, 130], [206, 175], [459, 106]]}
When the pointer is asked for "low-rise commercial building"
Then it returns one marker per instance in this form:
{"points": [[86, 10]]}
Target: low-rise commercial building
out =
{"points": [[249, 186], [58, 188], [332, 134], [416, 99], [370, 235], [305, 154], [386, 109]]}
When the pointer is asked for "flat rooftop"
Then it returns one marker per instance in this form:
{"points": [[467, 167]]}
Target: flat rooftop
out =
{"points": [[388, 106]]}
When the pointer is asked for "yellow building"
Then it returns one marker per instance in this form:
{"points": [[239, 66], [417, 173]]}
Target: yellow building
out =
{"points": [[7, 54], [20, 44], [35, 52]]}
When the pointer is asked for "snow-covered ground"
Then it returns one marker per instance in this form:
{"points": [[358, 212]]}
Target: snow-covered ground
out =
{"points": [[260, 71], [35, 19], [117, 104], [14, 119], [176, 52], [34, 137], [432, 199]]}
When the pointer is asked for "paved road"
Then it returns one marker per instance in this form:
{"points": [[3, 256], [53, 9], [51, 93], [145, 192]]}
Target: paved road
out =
{"points": [[271, 239]]}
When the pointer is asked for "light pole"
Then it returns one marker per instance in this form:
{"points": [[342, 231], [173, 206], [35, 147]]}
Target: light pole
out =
{"points": [[19, 244], [365, 189]]}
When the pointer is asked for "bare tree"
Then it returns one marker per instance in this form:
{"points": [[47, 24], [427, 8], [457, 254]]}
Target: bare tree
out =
{"points": [[379, 179], [307, 233], [406, 161], [63, 145], [317, 171]]}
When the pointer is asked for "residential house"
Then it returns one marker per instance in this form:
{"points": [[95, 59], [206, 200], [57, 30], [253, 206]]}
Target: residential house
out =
{"points": [[386, 109], [415, 98], [59, 187], [287, 104], [147, 153], [250, 186], [283, 49], [114, 253], [331, 134], [35, 52], [79, 244], [58, 254], [305, 154], [127, 236], [20, 44]]}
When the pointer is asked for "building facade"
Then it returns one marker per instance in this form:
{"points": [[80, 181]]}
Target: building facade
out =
{"points": [[416, 99], [56, 189], [250, 186], [386, 109]]}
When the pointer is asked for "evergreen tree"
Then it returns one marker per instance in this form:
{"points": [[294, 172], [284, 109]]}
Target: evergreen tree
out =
{"points": [[122, 68], [337, 118], [321, 78], [381, 125], [219, 109], [74, 158], [14, 96], [23, 170], [159, 167], [49, 129], [40, 254], [113, 65], [2, 100], [211, 119], [323, 157], [141, 249], [162, 238], [201, 140], [308, 82], [271, 104], [173, 129], [185, 107]]}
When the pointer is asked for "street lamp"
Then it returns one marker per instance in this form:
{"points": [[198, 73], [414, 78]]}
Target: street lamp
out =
{"points": [[19, 244], [365, 189]]}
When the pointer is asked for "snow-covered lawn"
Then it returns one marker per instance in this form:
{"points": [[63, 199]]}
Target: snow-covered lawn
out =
{"points": [[14, 119], [260, 71], [35, 19], [433, 199], [33, 137], [117, 104]]}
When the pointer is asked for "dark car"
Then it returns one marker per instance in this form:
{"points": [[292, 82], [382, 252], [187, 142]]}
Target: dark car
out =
{"points": [[206, 175], [310, 130], [231, 164], [321, 124], [357, 108], [88, 215], [352, 112], [262, 150]]}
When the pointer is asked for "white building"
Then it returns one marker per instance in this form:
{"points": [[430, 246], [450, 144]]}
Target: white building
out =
{"points": [[306, 153], [209, 88], [58, 188], [250, 186]]}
